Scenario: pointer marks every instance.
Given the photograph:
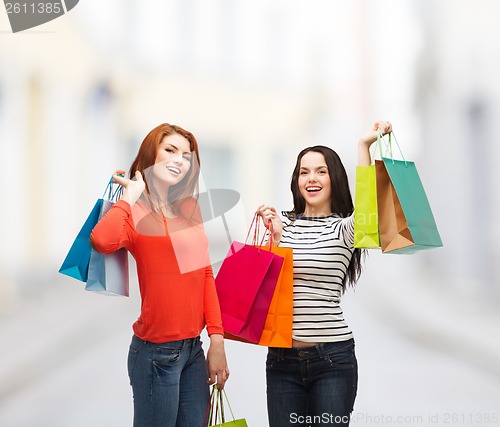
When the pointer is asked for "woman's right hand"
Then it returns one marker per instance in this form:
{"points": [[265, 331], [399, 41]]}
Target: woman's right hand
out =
{"points": [[271, 218], [364, 157], [133, 187]]}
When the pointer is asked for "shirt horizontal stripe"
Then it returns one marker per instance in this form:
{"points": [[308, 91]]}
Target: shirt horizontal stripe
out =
{"points": [[322, 251]]}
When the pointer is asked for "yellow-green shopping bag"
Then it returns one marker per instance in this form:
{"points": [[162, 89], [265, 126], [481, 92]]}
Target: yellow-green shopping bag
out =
{"points": [[366, 231]]}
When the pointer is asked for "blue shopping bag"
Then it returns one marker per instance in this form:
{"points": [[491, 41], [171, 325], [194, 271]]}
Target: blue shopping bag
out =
{"points": [[76, 263]]}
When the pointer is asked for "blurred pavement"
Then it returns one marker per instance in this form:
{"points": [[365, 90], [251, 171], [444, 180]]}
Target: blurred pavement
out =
{"points": [[68, 369]]}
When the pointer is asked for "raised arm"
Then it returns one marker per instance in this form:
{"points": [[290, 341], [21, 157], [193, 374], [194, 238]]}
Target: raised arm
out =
{"points": [[364, 158], [114, 231]]}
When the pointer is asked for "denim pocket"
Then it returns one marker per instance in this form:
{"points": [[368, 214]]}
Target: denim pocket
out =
{"points": [[165, 356], [343, 358], [271, 361], [132, 358]]}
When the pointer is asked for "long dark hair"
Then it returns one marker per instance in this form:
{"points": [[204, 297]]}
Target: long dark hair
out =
{"points": [[340, 201]]}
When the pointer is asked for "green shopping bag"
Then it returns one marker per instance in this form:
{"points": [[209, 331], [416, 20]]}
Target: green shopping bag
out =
{"points": [[215, 412], [366, 233], [421, 231]]}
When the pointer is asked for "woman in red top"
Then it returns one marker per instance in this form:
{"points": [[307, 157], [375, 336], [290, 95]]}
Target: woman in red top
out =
{"points": [[160, 224]]}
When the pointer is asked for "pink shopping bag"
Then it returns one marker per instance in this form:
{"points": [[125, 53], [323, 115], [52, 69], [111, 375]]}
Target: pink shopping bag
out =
{"points": [[245, 284]]}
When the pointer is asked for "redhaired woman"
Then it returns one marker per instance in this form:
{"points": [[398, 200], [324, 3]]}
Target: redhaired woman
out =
{"points": [[159, 222]]}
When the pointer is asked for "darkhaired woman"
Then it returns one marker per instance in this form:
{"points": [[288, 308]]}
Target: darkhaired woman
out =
{"points": [[315, 382], [159, 222]]}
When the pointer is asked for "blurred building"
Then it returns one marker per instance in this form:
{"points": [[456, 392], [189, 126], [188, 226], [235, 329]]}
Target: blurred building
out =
{"points": [[457, 99], [253, 81]]}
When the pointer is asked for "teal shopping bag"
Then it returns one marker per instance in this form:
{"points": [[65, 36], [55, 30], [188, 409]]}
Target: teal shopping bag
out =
{"points": [[421, 231], [76, 263], [415, 205]]}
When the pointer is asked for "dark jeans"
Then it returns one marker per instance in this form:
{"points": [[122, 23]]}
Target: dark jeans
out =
{"points": [[312, 386], [169, 383]]}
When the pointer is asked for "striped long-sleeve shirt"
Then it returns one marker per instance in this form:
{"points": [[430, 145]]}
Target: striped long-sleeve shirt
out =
{"points": [[322, 250]]}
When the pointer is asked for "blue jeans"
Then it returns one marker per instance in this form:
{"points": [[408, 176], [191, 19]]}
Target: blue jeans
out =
{"points": [[169, 383], [311, 386]]}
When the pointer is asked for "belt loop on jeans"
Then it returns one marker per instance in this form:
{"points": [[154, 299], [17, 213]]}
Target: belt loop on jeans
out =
{"points": [[196, 341], [320, 348], [281, 354]]}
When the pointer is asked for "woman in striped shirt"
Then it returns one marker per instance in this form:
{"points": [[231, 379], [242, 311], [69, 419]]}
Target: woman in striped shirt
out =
{"points": [[315, 382]]}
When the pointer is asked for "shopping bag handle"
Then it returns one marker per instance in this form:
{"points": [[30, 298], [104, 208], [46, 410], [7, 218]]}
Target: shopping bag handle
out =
{"points": [[113, 195], [253, 226], [227, 400], [257, 235], [213, 415], [109, 190], [208, 415], [270, 240], [378, 145], [380, 138], [217, 399], [221, 407], [256, 239]]}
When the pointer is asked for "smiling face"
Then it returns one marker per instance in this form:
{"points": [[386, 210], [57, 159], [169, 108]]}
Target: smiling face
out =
{"points": [[173, 160], [314, 184]]}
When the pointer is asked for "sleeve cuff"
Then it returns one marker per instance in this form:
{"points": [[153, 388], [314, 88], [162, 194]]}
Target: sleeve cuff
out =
{"points": [[215, 330]]}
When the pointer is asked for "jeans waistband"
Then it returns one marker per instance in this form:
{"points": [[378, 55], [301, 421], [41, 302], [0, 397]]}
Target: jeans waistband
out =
{"points": [[177, 343], [315, 351]]}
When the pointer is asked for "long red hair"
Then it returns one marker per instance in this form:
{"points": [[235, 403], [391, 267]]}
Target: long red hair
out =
{"points": [[146, 158]]}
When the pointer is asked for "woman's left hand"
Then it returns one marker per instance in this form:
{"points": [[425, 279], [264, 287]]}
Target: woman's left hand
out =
{"points": [[271, 219], [218, 371]]}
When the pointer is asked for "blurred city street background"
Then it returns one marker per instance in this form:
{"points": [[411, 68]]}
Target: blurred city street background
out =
{"points": [[255, 81]]}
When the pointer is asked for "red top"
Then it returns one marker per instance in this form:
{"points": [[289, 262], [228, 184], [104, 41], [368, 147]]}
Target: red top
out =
{"points": [[173, 267]]}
